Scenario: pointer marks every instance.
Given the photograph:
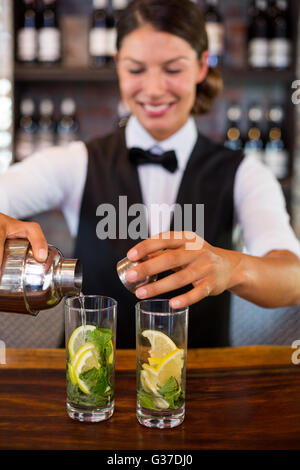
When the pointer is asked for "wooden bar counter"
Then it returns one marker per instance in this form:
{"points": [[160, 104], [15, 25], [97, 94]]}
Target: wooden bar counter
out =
{"points": [[237, 398]]}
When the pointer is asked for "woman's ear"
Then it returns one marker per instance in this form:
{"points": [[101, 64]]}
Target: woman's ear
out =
{"points": [[202, 67], [116, 58]]}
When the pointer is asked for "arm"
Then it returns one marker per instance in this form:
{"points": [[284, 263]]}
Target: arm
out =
{"points": [[46, 180], [51, 178], [270, 281]]}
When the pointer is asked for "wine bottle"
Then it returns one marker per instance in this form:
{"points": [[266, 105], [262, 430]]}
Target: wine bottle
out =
{"points": [[233, 138], [67, 126], [26, 132], [258, 35], [49, 35], [276, 153], [215, 32], [114, 9], [46, 125], [111, 32], [27, 34], [254, 145], [97, 36], [280, 43]]}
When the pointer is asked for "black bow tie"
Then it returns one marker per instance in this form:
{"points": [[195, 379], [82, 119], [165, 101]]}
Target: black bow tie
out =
{"points": [[140, 157]]}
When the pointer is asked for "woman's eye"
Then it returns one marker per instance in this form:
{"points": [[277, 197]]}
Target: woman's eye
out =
{"points": [[135, 71], [173, 71]]}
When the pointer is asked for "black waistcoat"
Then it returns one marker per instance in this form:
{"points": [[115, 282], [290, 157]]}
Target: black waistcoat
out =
{"points": [[208, 179]]}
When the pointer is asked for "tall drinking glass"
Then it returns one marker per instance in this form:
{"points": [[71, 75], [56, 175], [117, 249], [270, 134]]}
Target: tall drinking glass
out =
{"points": [[90, 326], [161, 349]]}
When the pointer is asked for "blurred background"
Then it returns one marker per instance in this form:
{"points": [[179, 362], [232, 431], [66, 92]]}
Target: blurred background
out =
{"points": [[58, 84]]}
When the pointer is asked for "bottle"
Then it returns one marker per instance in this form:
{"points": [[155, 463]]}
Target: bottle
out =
{"points": [[27, 286], [49, 36], [114, 9], [27, 34], [258, 35], [111, 33], [119, 6], [67, 126], [26, 133], [46, 126], [215, 32], [280, 42], [254, 145], [97, 36], [233, 138], [276, 153]]}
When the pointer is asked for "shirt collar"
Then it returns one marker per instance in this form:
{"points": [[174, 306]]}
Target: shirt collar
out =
{"points": [[182, 142]]}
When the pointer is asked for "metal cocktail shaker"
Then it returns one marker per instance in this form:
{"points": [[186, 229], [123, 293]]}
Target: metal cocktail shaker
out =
{"points": [[126, 264], [27, 286]]}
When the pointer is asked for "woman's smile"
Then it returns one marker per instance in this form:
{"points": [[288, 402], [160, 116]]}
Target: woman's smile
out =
{"points": [[156, 110]]}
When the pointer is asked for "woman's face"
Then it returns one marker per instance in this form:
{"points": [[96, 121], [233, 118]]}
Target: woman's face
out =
{"points": [[158, 74]]}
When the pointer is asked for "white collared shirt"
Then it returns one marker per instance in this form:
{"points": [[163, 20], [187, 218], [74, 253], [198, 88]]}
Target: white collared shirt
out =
{"points": [[158, 185], [55, 177]]}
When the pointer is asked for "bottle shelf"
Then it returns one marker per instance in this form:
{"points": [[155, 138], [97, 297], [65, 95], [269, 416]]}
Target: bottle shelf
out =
{"points": [[36, 73]]}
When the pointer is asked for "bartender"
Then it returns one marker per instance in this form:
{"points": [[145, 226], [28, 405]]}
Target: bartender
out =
{"points": [[161, 157]]}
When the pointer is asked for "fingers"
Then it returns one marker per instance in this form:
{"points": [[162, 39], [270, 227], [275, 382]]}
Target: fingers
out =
{"points": [[171, 240], [13, 228], [164, 261], [37, 241], [202, 290], [182, 278], [2, 241]]}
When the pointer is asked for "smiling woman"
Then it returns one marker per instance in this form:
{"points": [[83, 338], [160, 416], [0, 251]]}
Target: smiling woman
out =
{"points": [[161, 158]]}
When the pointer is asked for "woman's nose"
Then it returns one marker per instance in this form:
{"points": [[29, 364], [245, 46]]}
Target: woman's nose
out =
{"points": [[154, 84]]}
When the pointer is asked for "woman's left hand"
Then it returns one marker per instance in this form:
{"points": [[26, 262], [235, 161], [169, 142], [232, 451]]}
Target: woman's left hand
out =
{"points": [[210, 270]]}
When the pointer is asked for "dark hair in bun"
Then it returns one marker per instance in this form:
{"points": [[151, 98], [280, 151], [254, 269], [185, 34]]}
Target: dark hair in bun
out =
{"points": [[182, 18]]}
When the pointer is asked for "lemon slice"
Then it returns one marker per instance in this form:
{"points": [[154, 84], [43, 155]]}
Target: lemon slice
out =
{"points": [[155, 361], [111, 356], [78, 339], [81, 350], [148, 383], [71, 374], [161, 403], [152, 371], [161, 344], [86, 361], [171, 366]]}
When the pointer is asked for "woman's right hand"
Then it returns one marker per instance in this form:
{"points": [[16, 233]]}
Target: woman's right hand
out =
{"points": [[13, 228]]}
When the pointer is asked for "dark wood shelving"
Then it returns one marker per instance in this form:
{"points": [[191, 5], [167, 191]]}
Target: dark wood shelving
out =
{"points": [[62, 73], [36, 73], [266, 76]]}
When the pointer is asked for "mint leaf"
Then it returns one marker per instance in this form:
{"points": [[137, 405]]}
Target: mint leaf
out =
{"points": [[90, 376], [170, 386], [172, 393], [99, 336], [102, 383], [77, 397], [146, 401]]}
